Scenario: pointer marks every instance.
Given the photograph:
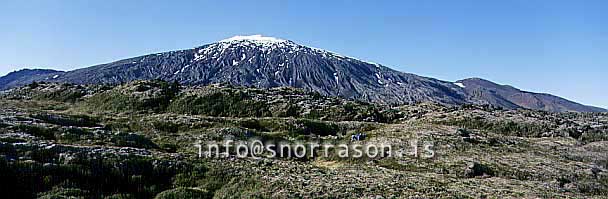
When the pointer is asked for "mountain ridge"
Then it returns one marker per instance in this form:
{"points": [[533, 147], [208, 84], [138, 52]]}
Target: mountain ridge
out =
{"points": [[268, 62], [19, 77], [525, 99]]}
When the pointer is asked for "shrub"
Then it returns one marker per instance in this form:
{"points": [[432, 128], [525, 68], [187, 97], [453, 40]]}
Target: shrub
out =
{"points": [[168, 127], [71, 134], [215, 178], [133, 140], [168, 147], [224, 104], [87, 177], [181, 192], [67, 120], [3, 125], [248, 187], [478, 169], [594, 135], [12, 140], [510, 128], [252, 124], [114, 101], [122, 99], [307, 126], [190, 179], [58, 192], [63, 95], [37, 131], [33, 85], [120, 196]]}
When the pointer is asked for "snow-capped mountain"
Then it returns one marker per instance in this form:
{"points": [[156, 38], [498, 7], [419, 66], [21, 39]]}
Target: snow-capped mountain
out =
{"points": [[270, 62]]}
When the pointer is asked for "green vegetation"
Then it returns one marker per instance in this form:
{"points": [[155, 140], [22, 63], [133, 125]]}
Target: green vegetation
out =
{"points": [[152, 96], [248, 187], [3, 125], [223, 104], [59, 192], [67, 120], [37, 131], [357, 111], [133, 140], [589, 135], [60, 92], [86, 177], [136, 140], [510, 128], [181, 192]]}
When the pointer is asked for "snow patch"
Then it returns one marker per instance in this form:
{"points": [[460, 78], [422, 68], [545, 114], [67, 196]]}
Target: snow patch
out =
{"points": [[184, 68], [266, 46], [254, 38], [461, 85], [336, 77], [198, 57], [55, 77]]}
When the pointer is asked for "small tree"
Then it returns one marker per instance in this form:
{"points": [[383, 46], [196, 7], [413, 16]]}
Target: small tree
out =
{"points": [[33, 85]]}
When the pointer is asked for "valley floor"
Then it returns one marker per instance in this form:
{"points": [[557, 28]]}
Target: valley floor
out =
{"points": [[54, 149]]}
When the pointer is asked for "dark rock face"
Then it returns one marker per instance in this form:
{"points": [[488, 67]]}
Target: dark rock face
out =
{"points": [[486, 92], [268, 62]]}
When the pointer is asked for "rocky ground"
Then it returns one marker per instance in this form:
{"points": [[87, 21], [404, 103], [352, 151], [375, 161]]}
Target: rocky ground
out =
{"points": [[137, 140]]}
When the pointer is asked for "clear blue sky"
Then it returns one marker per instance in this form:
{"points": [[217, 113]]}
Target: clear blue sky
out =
{"points": [[558, 47]]}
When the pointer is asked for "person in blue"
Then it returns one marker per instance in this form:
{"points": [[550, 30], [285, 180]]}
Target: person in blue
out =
{"points": [[358, 137], [248, 134]]}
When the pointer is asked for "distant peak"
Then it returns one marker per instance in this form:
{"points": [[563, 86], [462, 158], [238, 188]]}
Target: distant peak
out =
{"points": [[254, 38]]}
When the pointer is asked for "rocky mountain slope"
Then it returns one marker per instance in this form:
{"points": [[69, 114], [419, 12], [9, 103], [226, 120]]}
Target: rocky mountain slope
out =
{"points": [[267, 62], [26, 76], [486, 92]]}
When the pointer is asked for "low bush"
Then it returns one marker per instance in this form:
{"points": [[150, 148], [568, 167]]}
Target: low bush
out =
{"points": [[3, 125], [134, 176], [70, 135], [122, 99], [133, 140], [510, 128], [59, 192], [37, 131], [182, 192], [306, 126], [223, 104], [68, 120], [247, 187], [165, 126]]}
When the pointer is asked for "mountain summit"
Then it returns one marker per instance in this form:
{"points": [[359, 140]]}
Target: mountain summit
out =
{"points": [[254, 38], [267, 62]]}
